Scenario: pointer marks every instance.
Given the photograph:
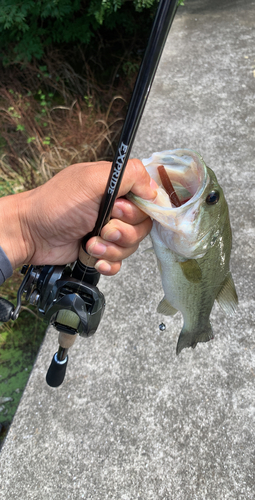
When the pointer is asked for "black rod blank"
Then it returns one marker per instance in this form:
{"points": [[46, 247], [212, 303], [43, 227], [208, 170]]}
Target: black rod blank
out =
{"points": [[148, 68], [160, 29]]}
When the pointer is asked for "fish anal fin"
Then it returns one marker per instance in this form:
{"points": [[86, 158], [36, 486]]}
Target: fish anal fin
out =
{"points": [[165, 308], [191, 338], [227, 296], [191, 270]]}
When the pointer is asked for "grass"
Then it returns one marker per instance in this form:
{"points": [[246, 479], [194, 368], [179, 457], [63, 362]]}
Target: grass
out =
{"points": [[39, 137], [19, 344], [51, 117]]}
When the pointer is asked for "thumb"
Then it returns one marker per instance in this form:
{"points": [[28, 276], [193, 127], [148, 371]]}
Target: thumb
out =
{"points": [[137, 180]]}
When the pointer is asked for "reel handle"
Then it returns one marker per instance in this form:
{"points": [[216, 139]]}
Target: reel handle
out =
{"points": [[57, 369]]}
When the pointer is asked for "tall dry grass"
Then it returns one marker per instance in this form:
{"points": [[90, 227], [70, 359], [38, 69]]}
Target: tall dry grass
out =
{"points": [[50, 117]]}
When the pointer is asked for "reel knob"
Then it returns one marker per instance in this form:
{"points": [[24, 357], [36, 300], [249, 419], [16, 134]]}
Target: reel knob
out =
{"points": [[6, 310], [56, 372]]}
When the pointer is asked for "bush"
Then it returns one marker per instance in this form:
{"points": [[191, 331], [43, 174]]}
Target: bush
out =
{"points": [[29, 27]]}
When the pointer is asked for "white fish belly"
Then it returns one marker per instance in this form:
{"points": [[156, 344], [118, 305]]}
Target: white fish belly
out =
{"points": [[176, 287], [194, 300]]}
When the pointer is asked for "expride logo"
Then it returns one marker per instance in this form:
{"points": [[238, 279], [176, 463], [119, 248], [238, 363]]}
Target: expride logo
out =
{"points": [[117, 168]]}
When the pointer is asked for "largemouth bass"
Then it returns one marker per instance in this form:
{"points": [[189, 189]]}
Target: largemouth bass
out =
{"points": [[192, 242]]}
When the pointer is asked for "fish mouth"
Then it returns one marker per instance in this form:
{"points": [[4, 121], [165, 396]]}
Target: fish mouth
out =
{"points": [[178, 225], [182, 174], [189, 178]]}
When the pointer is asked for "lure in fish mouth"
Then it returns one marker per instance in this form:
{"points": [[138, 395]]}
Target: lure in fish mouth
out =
{"points": [[191, 237]]}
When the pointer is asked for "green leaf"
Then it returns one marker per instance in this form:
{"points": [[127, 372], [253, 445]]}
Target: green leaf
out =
{"points": [[20, 127], [30, 139]]}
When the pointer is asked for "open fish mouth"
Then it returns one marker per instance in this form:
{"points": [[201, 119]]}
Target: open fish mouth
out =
{"points": [[177, 211], [182, 173], [187, 174]]}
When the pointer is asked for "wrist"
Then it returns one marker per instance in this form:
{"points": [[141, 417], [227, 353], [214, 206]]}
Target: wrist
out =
{"points": [[15, 238]]}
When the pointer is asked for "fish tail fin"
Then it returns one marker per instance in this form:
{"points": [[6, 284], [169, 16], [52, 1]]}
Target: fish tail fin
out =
{"points": [[190, 338]]}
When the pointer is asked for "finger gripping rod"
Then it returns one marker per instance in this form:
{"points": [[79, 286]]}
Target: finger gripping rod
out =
{"points": [[161, 26]]}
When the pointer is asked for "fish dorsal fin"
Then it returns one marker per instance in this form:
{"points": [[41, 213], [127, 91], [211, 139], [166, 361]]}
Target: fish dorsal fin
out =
{"points": [[227, 296], [165, 308], [191, 270]]}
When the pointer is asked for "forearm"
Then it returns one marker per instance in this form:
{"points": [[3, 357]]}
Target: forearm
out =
{"points": [[15, 239]]}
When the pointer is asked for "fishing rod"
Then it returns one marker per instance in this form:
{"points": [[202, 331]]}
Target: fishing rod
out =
{"points": [[162, 23], [67, 296]]}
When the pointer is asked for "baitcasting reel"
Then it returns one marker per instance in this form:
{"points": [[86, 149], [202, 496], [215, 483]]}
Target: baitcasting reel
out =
{"points": [[72, 306]]}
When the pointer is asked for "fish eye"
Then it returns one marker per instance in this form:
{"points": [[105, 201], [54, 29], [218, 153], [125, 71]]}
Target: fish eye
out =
{"points": [[213, 198]]}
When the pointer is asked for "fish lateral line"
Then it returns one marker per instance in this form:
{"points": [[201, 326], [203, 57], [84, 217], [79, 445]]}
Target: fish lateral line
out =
{"points": [[168, 186]]}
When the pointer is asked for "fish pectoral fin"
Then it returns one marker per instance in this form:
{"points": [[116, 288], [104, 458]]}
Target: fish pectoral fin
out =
{"points": [[227, 296], [191, 338], [165, 308], [159, 266], [148, 250], [191, 270]]}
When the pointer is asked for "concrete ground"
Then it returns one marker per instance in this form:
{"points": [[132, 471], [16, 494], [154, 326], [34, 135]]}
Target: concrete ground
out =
{"points": [[133, 421]]}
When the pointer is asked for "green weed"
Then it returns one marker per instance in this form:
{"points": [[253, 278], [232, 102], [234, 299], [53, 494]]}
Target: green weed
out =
{"points": [[19, 345]]}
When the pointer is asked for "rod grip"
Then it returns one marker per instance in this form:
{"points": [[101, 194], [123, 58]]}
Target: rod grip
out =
{"points": [[56, 372]]}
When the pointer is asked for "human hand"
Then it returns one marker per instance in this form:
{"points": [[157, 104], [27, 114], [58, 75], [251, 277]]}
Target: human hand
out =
{"points": [[46, 225]]}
